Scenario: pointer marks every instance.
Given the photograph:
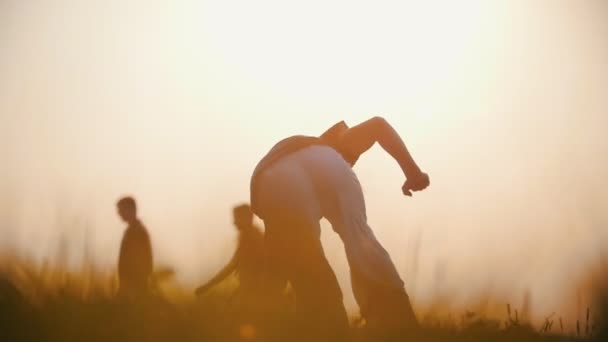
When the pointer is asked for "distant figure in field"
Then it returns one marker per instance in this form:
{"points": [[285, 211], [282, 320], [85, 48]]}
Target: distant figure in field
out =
{"points": [[135, 259], [303, 179], [247, 262]]}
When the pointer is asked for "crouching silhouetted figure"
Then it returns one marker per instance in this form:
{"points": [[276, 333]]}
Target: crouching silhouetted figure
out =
{"points": [[135, 259], [259, 296], [248, 260]]}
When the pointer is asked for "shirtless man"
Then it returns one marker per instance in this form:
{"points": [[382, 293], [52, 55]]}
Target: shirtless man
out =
{"points": [[303, 179]]}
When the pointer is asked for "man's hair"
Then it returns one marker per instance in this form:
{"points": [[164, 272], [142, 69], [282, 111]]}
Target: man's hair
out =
{"points": [[127, 203]]}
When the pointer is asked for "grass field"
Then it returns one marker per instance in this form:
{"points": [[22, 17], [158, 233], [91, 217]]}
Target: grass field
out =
{"points": [[48, 303]]}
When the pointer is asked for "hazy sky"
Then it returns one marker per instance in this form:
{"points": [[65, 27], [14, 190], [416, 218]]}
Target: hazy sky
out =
{"points": [[503, 103]]}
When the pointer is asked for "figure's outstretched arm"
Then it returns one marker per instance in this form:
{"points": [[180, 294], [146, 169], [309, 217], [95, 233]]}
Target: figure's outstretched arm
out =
{"points": [[221, 275], [360, 138]]}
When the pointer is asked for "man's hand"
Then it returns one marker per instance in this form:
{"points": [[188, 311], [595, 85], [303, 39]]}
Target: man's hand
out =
{"points": [[417, 182]]}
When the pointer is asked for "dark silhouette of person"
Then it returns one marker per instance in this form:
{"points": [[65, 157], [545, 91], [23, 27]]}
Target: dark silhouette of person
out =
{"points": [[248, 263], [135, 261], [303, 179], [248, 260]]}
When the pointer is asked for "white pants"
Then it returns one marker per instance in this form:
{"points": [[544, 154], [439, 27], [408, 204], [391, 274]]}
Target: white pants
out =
{"points": [[316, 182]]}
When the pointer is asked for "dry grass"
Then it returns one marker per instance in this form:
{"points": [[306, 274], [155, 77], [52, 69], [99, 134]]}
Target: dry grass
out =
{"points": [[46, 302]]}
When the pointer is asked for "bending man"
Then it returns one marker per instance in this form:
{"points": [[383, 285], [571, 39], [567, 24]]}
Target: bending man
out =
{"points": [[303, 179]]}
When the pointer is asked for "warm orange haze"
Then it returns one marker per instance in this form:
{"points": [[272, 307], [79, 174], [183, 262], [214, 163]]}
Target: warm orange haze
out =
{"points": [[503, 103]]}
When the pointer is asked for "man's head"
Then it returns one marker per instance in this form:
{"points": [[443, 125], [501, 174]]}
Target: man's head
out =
{"points": [[127, 209], [243, 217]]}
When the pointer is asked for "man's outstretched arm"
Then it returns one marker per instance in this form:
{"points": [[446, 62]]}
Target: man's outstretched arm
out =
{"points": [[221, 275], [360, 138]]}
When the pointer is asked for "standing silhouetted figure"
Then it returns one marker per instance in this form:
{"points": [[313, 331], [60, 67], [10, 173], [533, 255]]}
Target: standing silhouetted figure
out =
{"points": [[303, 179], [135, 259]]}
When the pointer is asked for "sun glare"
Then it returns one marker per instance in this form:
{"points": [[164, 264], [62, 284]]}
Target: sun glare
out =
{"points": [[326, 52]]}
